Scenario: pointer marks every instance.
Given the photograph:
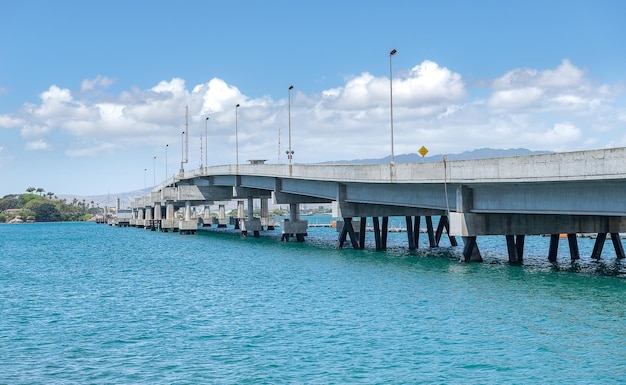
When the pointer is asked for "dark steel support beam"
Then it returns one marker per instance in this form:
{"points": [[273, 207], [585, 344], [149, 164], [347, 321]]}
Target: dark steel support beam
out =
{"points": [[409, 232], [554, 247], [431, 232], [385, 232], [416, 231], [598, 246], [362, 233], [377, 239], [617, 244], [573, 246]]}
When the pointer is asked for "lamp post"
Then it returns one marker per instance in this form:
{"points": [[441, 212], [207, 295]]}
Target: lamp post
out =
{"points": [[236, 135], [144, 179], [393, 52], [289, 151], [206, 142], [182, 152], [154, 171], [166, 146]]}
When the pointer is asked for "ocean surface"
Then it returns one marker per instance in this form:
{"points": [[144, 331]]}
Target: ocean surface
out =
{"points": [[82, 303]]}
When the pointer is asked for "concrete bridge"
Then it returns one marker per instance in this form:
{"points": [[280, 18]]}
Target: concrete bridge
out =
{"points": [[558, 193]]}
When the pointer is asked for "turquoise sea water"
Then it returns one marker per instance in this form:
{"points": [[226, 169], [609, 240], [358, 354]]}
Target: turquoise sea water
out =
{"points": [[87, 303]]}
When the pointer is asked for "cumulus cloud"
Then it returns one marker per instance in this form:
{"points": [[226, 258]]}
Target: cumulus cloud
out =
{"points": [[562, 90], [424, 84], [37, 145], [534, 108], [98, 82]]}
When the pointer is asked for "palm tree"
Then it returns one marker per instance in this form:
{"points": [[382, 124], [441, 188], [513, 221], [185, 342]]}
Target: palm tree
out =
{"points": [[30, 189], [40, 191], [50, 195]]}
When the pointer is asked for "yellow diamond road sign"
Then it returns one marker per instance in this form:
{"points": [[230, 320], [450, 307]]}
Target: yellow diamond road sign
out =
{"points": [[423, 151]]}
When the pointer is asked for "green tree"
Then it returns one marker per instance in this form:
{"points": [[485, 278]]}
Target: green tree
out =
{"points": [[30, 189], [44, 211]]}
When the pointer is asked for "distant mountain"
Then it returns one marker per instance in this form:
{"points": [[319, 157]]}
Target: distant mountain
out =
{"points": [[481, 153]]}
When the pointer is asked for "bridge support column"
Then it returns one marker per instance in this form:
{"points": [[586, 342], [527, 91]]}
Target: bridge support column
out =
{"points": [[515, 248], [221, 216], [206, 216], [432, 240], [266, 220], [470, 250], [617, 244], [444, 224], [294, 226], [599, 245], [412, 232], [188, 225], [169, 223], [380, 233], [251, 224], [347, 230], [240, 214], [573, 246], [140, 218], [158, 215], [149, 221], [554, 247]]}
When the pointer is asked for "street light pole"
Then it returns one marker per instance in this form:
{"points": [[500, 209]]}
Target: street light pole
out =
{"points": [[393, 52], [206, 142], [166, 146], [154, 171], [289, 151], [182, 152], [144, 179], [236, 134]]}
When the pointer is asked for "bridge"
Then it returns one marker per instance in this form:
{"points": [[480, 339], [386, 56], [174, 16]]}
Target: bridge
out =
{"points": [[552, 194]]}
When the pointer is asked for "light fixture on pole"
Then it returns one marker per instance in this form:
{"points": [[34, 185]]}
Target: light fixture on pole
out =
{"points": [[289, 151], [206, 142], [144, 179], [236, 135], [393, 52], [154, 171], [166, 146]]}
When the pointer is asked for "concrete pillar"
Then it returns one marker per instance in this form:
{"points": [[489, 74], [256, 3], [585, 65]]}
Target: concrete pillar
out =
{"points": [[158, 215], [250, 208], [148, 213], [221, 215], [187, 210], [169, 210], [266, 221], [206, 216], [294, 226], [294, 212], [240, 215]]}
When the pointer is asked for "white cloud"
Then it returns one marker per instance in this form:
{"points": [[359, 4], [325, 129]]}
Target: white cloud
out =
{"points": [[37, 145], [99, 81], [30, 130], [7, 121], [537, 109], [424, 84], [514, 99], [90, 151]]}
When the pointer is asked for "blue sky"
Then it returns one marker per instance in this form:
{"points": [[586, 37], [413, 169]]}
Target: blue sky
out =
{"points": [[92, 91]]}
